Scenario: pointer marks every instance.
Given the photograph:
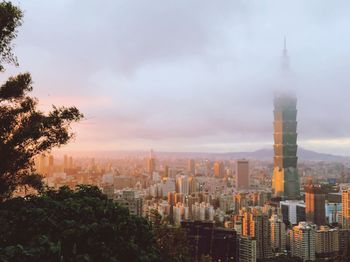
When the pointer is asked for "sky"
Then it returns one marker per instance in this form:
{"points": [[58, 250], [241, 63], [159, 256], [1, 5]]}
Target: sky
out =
{"points": [[195, 76]]}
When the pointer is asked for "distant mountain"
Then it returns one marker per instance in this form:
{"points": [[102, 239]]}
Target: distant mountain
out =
{"points": [[303, 154], [261, 154]]}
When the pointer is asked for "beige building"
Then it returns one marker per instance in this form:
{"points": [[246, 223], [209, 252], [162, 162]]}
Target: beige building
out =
{"points": [[247, 249], [303, 241], [242, 174], [219, 170], [327, 240], [278, 234]]}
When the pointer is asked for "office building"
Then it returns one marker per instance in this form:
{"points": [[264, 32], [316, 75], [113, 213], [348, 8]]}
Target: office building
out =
{"points": [[242, 174], [315, 199], [191, 166], [219, 170], [346, 208]]}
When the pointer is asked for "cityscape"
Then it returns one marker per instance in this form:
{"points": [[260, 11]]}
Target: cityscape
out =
{"points": [[264, 201], [232, 209]]}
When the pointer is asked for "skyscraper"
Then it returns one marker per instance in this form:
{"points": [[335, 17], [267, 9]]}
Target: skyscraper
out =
{"points": [[191, 166], [257, 225], [315, 200], [151, 163], [285, 181], [242, 174], [346, 208], [278, 234], [218, 169]]}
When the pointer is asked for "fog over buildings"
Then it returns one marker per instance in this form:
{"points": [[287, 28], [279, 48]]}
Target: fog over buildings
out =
{"points": [[189, 75]]}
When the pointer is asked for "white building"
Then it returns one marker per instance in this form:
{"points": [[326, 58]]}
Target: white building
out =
{"points": [[293, 211], [278, 234], [303, 241], [202, 211], [333, 212]]}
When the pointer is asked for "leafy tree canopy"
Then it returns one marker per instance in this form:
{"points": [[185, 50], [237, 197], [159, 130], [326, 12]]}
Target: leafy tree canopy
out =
{"points": [[68, 225]]}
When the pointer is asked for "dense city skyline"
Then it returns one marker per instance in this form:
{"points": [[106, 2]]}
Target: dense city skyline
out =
{"points": [[202, 83], [194, 122]]}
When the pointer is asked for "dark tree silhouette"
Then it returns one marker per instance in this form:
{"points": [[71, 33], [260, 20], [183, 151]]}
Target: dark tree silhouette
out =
{"points": [[25, 131]]}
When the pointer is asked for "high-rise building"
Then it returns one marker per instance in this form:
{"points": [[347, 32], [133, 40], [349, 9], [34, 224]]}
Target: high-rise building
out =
{"points": [[333, 213], [182, 185], [346, 208], [327, 241], [247, 249], [166, 171], [193, 184], [278, 234], [242, 174], [240, 201], [191, 166], [315, 199], [151, 163], [257, 225], [285, 181], [219, 170], [303, 241]]}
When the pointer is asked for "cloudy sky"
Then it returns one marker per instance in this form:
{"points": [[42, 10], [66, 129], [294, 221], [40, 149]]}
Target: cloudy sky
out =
{"points": [[189, 75]]}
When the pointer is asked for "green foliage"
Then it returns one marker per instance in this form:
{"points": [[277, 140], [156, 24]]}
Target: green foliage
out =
{"points": [[66, 225], [171, 242], [25, 131]]}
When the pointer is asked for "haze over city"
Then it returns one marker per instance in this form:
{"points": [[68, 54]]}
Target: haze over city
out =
{"points": [[174, 131], [189, 76]]}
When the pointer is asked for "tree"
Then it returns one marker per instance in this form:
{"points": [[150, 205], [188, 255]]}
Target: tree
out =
{"points": [[171, 242], [66, 225], [10, 20], [25, 131]]}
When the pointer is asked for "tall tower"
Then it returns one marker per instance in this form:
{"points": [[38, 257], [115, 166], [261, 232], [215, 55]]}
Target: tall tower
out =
{"points": [[285, 181]]}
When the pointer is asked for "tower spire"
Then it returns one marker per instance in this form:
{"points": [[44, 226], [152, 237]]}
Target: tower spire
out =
{"points": [[285, 58]]}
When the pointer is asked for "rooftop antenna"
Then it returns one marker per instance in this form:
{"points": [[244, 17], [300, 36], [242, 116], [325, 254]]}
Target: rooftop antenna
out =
{"points": [[285, 58]]}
